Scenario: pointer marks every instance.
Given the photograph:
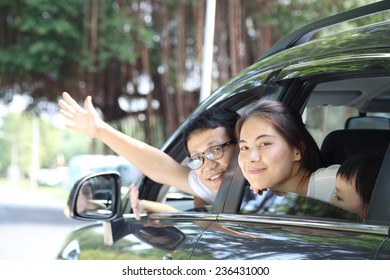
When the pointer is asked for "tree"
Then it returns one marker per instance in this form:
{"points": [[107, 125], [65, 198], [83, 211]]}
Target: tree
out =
{"points": [[19, 128], [140, 60]]}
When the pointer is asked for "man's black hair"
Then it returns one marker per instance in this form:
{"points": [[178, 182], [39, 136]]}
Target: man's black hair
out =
{"points": [[210, 119]]}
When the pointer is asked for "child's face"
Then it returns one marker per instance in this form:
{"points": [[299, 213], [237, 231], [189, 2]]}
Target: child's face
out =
{"points": [[346, 195]]}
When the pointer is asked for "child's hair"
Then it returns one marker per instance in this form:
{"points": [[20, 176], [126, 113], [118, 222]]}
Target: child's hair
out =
{"points": [[361, 171]]}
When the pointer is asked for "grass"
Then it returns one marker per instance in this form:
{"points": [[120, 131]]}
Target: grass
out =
{"points": [[57, 192]]}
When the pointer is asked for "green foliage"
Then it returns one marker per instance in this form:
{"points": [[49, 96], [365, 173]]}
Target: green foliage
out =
{"points": [[73, 144], [52, 142], [46, 46], [287, 16], [19, 127], [46, 35]]}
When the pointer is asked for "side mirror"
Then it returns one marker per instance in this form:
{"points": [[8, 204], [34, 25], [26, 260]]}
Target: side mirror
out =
{"points": [[96, 197]]}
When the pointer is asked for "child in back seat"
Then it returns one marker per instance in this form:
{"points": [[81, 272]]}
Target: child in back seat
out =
{"points": [[355, 181]]}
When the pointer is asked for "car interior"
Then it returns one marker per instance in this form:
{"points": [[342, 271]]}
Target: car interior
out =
{"points": [[363, 117]]}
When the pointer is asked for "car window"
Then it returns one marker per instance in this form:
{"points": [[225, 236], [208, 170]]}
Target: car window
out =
{"points": [[292, 204], [179, 199], [321, 120], [331, 104]]}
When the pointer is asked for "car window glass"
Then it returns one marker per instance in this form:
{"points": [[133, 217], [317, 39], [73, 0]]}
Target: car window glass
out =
{"points": [[270, 203], [321, 120], [332, 103], [179, 199]]}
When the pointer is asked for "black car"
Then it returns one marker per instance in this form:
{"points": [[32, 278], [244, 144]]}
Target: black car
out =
{"points": [[339, 80]]}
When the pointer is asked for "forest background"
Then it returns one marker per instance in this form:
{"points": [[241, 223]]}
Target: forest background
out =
{"points": [[140, 60]]}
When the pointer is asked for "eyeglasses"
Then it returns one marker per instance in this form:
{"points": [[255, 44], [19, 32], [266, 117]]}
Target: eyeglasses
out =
{"points": [[212, 153]]}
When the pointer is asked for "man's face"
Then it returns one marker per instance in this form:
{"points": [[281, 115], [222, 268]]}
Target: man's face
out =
{"points": [[83, 199], [212, 171]]}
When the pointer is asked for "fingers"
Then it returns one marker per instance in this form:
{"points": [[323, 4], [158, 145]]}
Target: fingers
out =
{"points": [[66, 107], [84, 120], [67, 115], [89, 106], [133, 189], [69, 122], [88, 103], [257, 190], [70, 100], [69, 105], [134, 194]]}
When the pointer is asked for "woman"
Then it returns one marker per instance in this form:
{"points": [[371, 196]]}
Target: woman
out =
{"points": [[278, 153]]}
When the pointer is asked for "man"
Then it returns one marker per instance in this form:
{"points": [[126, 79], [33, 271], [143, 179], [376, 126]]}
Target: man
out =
{"points": [[209, 140]]}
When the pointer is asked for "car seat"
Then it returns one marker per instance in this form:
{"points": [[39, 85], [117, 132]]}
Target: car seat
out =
{"points": [[367, 122], [339, 145]]}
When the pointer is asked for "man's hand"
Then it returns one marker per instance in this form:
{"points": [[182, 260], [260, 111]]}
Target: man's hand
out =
{"points": [[84, 120], [134, 201]]}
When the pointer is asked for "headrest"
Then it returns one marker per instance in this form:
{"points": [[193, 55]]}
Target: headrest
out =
{"points": [[367, 122], [342, 144]]}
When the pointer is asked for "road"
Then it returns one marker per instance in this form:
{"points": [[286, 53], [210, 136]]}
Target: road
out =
{"points": [[32, 225]]}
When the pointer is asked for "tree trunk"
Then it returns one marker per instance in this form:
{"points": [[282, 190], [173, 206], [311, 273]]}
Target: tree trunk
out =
{"points": [[180, 56], [233, 40], [166, 90], [264, 32], [145, 69], [222, 58]]}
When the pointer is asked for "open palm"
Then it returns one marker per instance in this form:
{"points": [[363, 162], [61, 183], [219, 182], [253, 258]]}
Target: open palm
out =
{"points": [[85, 120]]}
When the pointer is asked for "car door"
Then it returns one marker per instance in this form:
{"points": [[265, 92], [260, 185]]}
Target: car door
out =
{"points": [[288, 227], [240, 234], [155, 238], [291, 226], [119, 235]]}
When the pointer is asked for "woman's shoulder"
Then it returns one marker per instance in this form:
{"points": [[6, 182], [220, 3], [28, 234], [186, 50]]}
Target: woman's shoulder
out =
{"points": [[327, 171], [323, 182]]}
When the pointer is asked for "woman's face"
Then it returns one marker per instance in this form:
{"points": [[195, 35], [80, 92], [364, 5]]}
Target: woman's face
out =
{"points": [[265, 158]]}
